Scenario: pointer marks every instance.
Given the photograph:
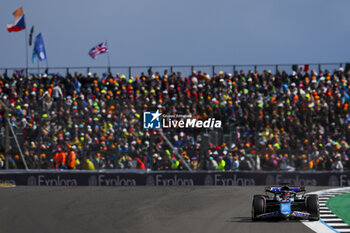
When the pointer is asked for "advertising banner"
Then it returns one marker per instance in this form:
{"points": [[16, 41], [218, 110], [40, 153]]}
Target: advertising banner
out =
{"points": [[172, 178]]}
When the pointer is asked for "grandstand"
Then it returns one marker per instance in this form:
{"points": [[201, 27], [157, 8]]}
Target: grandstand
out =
{"points": [[272, 120]]}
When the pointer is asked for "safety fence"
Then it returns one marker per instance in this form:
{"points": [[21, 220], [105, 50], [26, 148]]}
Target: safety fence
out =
{"points": [[132, 71], [148, 178]]}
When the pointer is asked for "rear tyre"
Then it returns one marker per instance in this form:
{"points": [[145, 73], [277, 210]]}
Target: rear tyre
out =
{"points": [[259, 202], [312, 207]]}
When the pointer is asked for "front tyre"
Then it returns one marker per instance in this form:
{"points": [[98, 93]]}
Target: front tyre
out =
{"points": [[312, 207], [259, 206]]}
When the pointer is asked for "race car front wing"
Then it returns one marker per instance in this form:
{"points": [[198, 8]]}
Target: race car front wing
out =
{"points": [[278, 214]]}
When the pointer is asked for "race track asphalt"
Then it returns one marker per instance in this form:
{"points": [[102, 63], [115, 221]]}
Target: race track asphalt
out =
{"points": [[134, 209]]}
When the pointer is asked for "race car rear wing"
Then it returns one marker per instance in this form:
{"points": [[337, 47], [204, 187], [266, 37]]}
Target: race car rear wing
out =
{"points": [[277, 189]]}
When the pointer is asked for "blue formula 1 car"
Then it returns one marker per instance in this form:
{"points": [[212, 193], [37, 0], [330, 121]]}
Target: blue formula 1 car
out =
{"points": [[286, 202]]}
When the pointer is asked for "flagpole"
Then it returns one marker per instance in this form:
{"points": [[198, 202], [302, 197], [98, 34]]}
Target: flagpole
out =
{"points": [[109, 60], [47, 61], [47, 64], [37, 60], [109, 63], [26, 43]]}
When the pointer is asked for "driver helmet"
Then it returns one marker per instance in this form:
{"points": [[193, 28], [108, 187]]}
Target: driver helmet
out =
{"points": [[286, 192]]}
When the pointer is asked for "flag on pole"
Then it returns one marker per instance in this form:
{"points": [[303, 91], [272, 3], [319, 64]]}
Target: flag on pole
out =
{"points": [[19, 23], [98, 49], [39, 49], [304, 68], [19, 73], [31, 36]]}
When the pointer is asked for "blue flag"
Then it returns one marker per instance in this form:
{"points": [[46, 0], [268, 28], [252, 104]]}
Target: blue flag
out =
{"points": [[39, 48]]}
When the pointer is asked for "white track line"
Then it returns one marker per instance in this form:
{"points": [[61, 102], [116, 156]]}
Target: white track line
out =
{"points": [[338, 224], [318, 227], [325, 212], [329, 222], [327, 215]]}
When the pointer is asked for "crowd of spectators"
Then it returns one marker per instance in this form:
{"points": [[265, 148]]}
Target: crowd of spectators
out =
{"points": [[278, 121]]}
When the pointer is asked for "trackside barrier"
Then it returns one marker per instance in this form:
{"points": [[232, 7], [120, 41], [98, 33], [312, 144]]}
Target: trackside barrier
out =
{"points": [[168, 178], [185, 69]]}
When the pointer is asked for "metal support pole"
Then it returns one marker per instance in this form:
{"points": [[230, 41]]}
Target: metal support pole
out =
{"points": [[203, 151], [7, 140], [234, 69], [276, 68], [40, 151], [17, 143], [174, 150], [319, 68], [150, 149], [171, 69], [25, 40], [129, 71], [192, 69], [255, 69], [213, 70]]}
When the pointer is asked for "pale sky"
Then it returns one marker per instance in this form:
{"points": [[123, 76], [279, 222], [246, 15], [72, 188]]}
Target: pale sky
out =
{"points": [[180, 32]]}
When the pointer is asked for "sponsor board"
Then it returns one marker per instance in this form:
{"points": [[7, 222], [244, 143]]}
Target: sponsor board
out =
{"points": [[292, 180], [103, 180], [42, 180], [333, 181], [172, 181], [111, 178], [150, 180], [160, 180], [235, 180], [344, 180], [208, 180]]}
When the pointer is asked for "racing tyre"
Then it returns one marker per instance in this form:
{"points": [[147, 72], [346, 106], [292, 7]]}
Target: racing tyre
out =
{"points": [[259, 204], [312, 207]]}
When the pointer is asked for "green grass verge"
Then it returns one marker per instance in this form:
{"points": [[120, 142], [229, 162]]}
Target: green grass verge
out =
{"points": [[340, 206]]}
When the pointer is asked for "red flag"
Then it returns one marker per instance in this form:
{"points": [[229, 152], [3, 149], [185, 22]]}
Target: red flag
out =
{"points": [[19, 23]]}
